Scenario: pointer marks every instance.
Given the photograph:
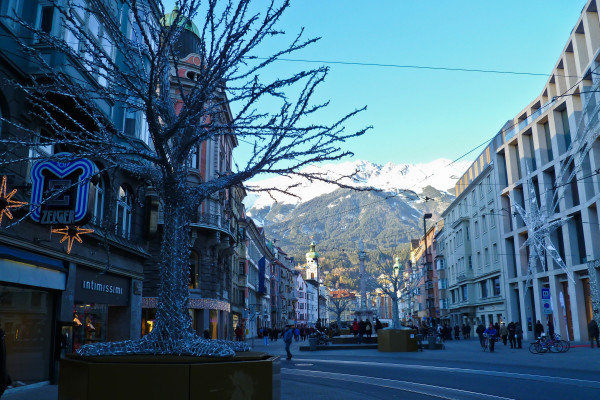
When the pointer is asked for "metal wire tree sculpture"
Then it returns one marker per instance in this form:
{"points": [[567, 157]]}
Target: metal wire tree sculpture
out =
{"points": [[129, 64], [390, 276]]}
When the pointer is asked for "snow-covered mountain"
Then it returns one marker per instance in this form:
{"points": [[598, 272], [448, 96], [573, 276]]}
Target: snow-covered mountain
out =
{"points": [[441, 174]]}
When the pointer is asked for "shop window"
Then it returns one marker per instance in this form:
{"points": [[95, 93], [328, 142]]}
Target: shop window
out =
{"points": [[124, 209], [89, 325], [26, 318]]}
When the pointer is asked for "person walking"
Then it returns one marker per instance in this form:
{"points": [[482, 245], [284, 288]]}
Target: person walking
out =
{"points": [[503, 333], [238, 333], [266, 334], [368, 329], [355, 327], [378, 325], [550, 329], [511, 335], [519, 335], [456, 332], [492, 333], [593, 333], [538, 329], [288, 336], [479, 331], [361, 330], [5, 380], [297, 334], [468, 331]]}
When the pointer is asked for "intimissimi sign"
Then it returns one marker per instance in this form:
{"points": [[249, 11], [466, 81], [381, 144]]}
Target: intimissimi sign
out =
{"points": [[102, 288]]}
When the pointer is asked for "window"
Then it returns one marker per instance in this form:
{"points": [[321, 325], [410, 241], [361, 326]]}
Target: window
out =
{"points": [[468, 233], [123, 217], [11, 8], [45, 18], [496, 282], [470, 262], [193, 162], [484, 289], [135, 125], [495, 252], [97, 47], [99, 203], [483, 224], [476, 229], [479, 264], [487, 257], [463, 288], [489, 183], [480, 186]]}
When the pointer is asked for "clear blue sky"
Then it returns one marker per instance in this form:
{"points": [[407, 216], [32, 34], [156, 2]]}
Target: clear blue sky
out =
{"points": [[421, 115]]}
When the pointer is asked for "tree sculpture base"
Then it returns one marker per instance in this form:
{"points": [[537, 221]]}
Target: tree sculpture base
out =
{"points": [[396, 340], [185, 344], [248, 375]]}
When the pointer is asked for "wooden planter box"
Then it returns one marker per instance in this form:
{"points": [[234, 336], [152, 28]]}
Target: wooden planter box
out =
{"points": [[396, 340], [249, 375]]}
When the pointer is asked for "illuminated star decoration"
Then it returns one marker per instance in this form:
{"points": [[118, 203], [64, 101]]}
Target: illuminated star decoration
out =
{"points": [[71, 233], [6, 201], [539, 229], [588, 130]]}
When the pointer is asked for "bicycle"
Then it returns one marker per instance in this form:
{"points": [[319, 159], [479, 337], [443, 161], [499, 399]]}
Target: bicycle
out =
{"points": [[485, 342], [553, 345]]}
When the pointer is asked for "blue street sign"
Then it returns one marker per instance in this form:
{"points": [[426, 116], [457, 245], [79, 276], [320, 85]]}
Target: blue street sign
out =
{"points": [[545, 293]]}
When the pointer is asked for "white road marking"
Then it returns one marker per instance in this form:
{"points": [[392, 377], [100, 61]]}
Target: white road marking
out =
{"points": [[543, 378], [413, 387]]}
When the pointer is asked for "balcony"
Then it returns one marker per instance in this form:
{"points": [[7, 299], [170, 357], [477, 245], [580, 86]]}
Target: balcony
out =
{"points": [[212, 221]]}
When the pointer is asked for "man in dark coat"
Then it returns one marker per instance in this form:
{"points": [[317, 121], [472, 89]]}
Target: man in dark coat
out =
{"points": [[4, 377], [593, 333], [538, 329], [361, 330], [511, 335], [519, 335], [479, 331]]}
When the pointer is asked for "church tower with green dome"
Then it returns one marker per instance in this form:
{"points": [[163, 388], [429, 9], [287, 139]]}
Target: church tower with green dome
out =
{"points": [[312, 263]]}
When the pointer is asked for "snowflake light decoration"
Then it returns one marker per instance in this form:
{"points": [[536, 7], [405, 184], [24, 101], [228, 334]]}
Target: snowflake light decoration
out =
{"points": [[539, 228], [70, 234], [6, 201]]}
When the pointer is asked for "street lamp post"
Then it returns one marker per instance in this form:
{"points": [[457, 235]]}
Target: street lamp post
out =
{"points": [[426, 216]]}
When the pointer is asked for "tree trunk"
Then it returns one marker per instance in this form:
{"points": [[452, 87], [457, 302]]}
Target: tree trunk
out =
{"points": [[395, 313], [173, 320], [172, 333]]}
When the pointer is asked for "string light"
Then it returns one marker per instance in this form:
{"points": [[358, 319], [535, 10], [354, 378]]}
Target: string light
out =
{"points": [[6, 201], [70, 234]]}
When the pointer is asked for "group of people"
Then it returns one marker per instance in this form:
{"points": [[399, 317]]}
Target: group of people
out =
{"points": [[299, 333], [511, 333], [361, 328]]}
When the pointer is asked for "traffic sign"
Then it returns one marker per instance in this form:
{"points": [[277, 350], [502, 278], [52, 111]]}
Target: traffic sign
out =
{"points": [[546, 293]]}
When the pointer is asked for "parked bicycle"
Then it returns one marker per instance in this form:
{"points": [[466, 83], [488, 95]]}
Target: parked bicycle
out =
{"points": [[553, 345]]}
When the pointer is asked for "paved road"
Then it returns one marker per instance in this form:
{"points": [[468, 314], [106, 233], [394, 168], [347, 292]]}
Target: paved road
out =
{"points": [[461, 371]]}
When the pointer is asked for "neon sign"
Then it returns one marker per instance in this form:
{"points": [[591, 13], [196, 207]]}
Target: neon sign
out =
{"points": [[60, 191]]}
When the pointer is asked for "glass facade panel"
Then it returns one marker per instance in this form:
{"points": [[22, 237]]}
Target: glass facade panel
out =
{"points": [[26, 318]]}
